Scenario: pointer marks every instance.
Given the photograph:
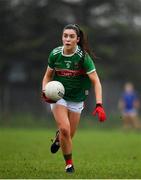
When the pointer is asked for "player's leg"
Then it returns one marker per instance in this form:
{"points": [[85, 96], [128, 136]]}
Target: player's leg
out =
{"points": [[126, 122], [135, 122], [60, 113], [55, 143], [75, 109], [74, 118]]}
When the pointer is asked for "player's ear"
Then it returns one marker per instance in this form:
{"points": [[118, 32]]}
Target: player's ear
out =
{"points": [[78, 39]]}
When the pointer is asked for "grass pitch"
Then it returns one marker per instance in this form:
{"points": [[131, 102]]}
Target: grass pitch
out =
{"points": [[97, 154]]}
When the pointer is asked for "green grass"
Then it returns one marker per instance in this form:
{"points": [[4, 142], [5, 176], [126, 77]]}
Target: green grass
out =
{"points": [[97, 154]]}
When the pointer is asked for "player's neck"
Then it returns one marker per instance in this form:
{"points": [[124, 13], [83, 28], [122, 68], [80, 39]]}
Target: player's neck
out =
{"points": [[69, 51]]}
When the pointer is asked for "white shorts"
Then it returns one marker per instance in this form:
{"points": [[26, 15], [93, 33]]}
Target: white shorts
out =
{"points": [[72, 106], [131, 112]]}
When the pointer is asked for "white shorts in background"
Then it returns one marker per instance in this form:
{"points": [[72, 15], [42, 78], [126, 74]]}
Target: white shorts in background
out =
{"points": [[130, 112], [72, 106]]}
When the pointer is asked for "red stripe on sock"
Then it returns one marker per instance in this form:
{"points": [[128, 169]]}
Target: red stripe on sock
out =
{"points": [[68, 161]]}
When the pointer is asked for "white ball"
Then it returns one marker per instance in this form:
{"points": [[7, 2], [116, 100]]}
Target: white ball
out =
{"points": [[54, 90]]}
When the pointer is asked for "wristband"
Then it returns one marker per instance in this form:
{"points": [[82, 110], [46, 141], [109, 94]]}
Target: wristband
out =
{"points": [[99, 104]]}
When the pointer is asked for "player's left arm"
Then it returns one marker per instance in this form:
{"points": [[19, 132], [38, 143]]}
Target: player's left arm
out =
{"points": [[136, 102], [97, 86], [92, 74], [98, 110]]}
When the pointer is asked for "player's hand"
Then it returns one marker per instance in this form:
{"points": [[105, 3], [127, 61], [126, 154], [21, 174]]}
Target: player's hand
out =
{"points": [[46, 99], [99, 110]]}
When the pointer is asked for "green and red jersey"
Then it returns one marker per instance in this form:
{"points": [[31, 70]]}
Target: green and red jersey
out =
{"points": [[72, 71]]}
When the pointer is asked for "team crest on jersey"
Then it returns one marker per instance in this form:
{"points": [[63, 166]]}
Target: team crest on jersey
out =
{"points": [[68, 64], [77, 65]]}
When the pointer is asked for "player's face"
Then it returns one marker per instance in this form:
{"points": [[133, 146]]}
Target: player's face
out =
{"points": [[70, 39]]}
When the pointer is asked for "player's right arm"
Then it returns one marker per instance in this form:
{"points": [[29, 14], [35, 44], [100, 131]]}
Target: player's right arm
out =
{"points": [[49, 72], [121, 104], [47, 77]]}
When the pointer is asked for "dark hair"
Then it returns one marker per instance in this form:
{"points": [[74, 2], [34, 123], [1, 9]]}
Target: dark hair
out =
{"points": [[83, 42]]}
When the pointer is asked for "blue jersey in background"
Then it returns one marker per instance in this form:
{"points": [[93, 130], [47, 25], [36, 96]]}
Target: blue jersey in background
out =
{"points": [[129, 99]]}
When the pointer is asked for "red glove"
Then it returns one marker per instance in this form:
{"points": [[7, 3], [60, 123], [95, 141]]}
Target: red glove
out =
{"points": [[46, 99], [99, 110]]}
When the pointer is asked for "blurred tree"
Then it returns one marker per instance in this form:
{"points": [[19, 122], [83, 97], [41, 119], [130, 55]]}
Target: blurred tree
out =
{"points": [[114, 29], [31, 28]]}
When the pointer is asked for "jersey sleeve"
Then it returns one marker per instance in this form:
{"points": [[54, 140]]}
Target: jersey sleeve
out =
{"points": [[51, 60], [88, 64]]}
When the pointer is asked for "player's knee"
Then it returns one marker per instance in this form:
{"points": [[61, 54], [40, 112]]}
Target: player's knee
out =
{"points": [[65, 132]]}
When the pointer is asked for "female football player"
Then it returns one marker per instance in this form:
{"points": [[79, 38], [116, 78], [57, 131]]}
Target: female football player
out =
{"points": [[72, 65]]}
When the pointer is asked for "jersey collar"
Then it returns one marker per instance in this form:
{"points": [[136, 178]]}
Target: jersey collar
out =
{"points": [[69, 55]]}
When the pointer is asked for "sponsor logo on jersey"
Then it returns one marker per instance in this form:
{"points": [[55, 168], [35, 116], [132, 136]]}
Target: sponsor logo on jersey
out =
{"points": [[67, 72], [57, 63], [86, 92]]}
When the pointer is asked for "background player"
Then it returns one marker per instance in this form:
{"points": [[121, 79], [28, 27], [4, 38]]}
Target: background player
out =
{"points": [[129, 105]]}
